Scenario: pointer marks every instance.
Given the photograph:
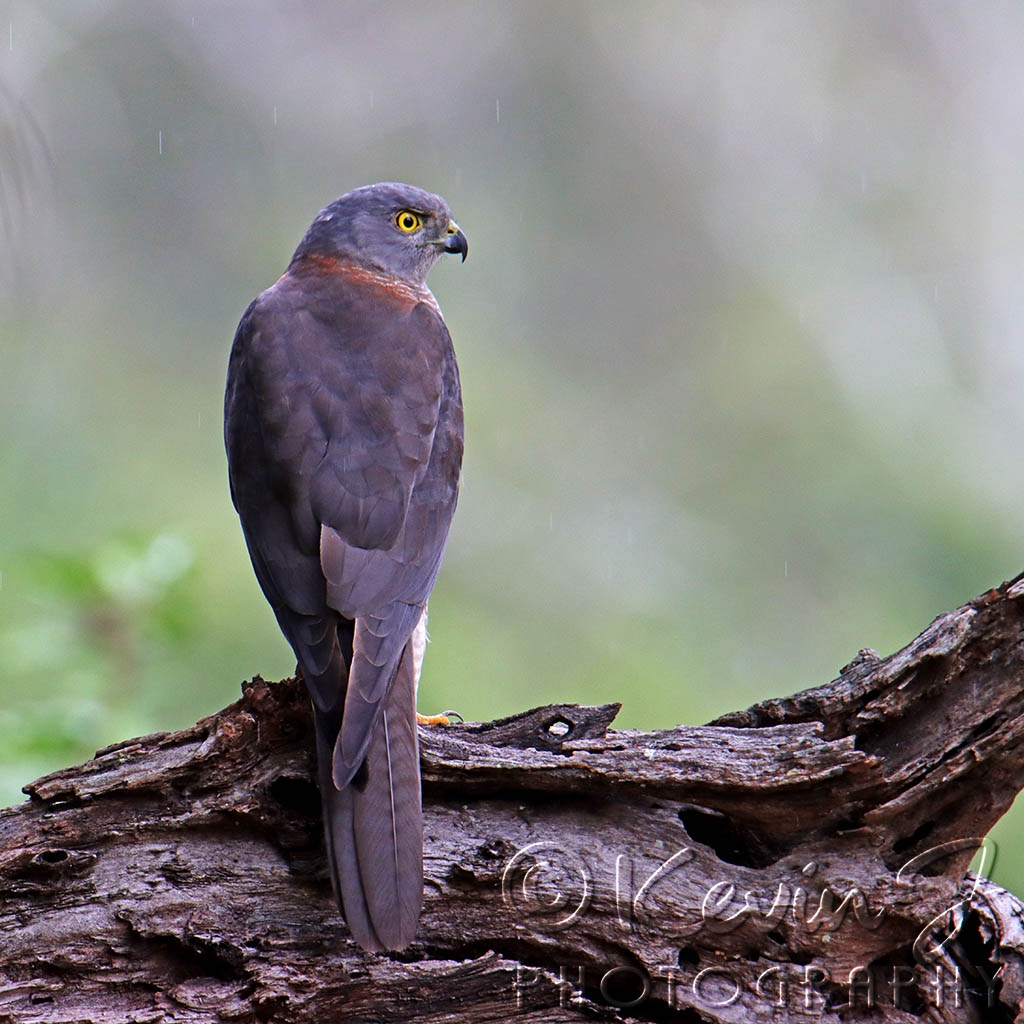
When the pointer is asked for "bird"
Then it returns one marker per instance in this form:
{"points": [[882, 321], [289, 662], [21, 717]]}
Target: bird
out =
{"points": [[343, 427]]}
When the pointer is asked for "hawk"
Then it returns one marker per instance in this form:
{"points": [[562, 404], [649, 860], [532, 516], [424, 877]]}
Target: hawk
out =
{"points": [[343, 429]]}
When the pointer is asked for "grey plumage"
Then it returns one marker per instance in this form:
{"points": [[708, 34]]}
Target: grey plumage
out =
{"points": [[343, 427]]}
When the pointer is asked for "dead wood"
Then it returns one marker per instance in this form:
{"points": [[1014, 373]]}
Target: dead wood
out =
{"points": [[805, 859]]}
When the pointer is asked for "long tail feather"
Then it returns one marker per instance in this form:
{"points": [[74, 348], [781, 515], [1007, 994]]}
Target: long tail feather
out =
{"points": [[374, 825]]}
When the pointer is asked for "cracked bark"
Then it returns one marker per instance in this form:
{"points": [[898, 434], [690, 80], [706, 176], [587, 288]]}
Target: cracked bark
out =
{"points": [[805, 859]]}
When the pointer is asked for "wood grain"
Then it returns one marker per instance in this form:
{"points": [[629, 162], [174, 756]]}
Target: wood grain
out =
{"points": [[805, 859]]}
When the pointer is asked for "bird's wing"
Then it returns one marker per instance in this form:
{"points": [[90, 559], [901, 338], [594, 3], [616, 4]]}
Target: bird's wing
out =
{"points": [[351, 394], [282, 542]]}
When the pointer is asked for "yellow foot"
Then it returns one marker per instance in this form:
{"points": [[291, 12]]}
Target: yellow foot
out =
{"points": [[445, 719]]}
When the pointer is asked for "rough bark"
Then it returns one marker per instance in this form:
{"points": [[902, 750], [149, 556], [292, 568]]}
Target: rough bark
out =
{"points": [[805, 859]]}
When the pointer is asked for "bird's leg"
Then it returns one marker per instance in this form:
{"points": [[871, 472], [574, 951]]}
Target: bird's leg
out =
{"points": [[419, 646]]}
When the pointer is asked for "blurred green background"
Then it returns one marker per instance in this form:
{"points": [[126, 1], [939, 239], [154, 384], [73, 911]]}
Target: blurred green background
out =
{"points": [[740, 336]]}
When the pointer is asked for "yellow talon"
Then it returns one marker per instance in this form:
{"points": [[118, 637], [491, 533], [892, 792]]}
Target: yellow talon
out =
{"points": [[432, 719], [444, 719]]}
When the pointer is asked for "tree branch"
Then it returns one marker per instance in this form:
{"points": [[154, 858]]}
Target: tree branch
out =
{"points": [[805, 859]]}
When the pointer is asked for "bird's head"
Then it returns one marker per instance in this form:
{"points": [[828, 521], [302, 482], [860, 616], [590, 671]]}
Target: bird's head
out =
{"points": [[398, 229]]}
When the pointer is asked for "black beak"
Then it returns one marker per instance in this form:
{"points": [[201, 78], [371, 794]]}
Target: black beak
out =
{"points": [[456, 241]]}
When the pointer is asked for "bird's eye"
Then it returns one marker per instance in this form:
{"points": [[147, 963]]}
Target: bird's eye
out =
{"points": [[407, 221]]}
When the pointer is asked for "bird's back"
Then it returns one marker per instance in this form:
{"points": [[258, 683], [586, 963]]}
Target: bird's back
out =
{"points": [[343, 425]]}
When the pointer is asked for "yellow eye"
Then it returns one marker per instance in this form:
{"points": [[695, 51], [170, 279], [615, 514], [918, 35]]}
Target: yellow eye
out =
{"points": [[408, 221]]}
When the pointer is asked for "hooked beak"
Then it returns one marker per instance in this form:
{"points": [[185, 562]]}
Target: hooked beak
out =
{"points": [[455, 241]]}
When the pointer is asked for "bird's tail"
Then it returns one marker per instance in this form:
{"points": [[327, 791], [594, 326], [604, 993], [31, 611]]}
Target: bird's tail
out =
{"points": [[374, 825]]}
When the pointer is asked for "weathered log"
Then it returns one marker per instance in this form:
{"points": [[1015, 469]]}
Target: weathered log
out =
{"points": [[805, 859]]}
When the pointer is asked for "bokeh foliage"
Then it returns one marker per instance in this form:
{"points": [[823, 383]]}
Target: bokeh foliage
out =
{"points": [[740, 335]]}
